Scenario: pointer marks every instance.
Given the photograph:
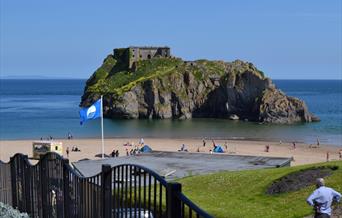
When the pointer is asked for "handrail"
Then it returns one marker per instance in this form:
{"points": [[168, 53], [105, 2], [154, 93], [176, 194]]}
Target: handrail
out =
{"points": [[21, 171], [158, 177], [193, 206], [59, 157]]}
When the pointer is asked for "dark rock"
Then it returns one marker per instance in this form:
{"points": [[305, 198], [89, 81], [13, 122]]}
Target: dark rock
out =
{"points": [[235, 90]]}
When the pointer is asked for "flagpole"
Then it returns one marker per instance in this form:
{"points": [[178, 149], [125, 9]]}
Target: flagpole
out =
{"points": [[102, 126]]}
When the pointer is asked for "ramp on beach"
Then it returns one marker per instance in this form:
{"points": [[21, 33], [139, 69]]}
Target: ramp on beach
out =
{"points": [[174, 165]]}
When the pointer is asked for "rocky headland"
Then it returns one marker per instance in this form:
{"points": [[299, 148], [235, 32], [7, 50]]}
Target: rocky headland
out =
{"points": [[170, 88]]}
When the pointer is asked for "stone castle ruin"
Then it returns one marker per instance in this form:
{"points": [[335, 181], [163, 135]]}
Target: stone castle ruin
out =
{"points": [[133, 54]]}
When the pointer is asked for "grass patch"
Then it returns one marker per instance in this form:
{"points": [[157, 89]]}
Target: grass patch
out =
{"points": [[116, 80], [243, 193]]}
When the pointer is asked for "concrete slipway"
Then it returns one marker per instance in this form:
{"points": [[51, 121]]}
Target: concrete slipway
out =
{"points": [[181, 164]]}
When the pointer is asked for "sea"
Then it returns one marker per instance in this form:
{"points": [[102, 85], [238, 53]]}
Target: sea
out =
{"points": [[38, 108]]}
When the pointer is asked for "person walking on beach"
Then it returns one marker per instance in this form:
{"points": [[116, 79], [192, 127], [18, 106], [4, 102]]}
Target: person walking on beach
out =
{"points": [[141, 142], [214, 144], [69, 135], [204, 142], [67, 152], [340, 154], [328, 155], [318, 142], [226, 145], [294, 145], [322, 198], [113, 153]]}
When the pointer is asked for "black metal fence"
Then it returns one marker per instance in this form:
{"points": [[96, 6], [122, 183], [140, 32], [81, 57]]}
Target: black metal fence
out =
{"points": [[51, 188]]}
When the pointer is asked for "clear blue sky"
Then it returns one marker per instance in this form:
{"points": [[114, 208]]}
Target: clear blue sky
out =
{"points": [[287, 39]]}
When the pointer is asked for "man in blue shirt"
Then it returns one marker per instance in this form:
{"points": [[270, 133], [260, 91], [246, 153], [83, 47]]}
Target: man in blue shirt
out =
{"points": [[322, 199]]}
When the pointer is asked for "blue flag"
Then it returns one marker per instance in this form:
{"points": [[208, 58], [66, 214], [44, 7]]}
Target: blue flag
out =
{"points": [[91, 112]]}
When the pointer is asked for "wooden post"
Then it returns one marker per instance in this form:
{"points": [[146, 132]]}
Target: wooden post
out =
{"points": [[66, 183], [14, 182], [27, 176]]}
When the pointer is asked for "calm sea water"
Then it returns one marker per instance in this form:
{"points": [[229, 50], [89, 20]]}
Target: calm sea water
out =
{"points": [[30, 109]]}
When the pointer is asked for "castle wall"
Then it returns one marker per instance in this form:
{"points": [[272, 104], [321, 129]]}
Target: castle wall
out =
{"points": [[134, 54]]}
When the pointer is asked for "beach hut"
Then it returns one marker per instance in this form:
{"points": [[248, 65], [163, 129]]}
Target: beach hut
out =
{"points": [[146, 149], [218, 149], [40, 148]]}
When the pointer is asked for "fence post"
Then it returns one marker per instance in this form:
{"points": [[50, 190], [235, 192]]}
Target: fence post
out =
{"points": [[66, 182], [106, 190], [27, 184], [14, 182], [173, 203], [43, 182]]}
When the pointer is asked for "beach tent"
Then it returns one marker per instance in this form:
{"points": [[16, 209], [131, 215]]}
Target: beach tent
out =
{"points": [[145, 149], [218, 149]]}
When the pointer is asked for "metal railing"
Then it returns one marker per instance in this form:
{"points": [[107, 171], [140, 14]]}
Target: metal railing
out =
{"points": [[52, 188]]}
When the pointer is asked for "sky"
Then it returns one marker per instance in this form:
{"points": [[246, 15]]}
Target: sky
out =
{"points": [[286, 39]]}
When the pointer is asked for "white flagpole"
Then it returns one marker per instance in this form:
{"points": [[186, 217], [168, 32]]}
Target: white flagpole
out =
{"points": [[102, 126]]}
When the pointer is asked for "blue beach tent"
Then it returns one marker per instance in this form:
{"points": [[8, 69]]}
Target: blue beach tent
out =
{"points": [[146, 149], [218, 149]]}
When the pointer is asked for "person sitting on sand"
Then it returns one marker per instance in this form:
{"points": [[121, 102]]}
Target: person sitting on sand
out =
{"points": [[117, 153], [183, 148], [75, 148]]}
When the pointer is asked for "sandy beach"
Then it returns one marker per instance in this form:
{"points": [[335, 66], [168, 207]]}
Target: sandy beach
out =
{"points": [[303, 154]]}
